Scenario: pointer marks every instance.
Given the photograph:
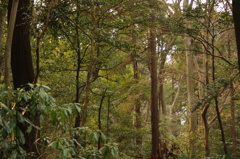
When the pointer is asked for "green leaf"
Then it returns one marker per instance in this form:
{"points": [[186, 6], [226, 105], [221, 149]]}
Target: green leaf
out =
{"points": [[30, 123], [53, 145], [13, 122], [69, 110], [20, 117], [4, 133], [95, 134], [22, 151], [7, 109], [14, 154], [103, 137], [5, 144], [78, 108], [21, 137], [29, 129], [6, 127]]}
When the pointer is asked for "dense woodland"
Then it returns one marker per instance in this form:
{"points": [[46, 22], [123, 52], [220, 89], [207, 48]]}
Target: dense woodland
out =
{"points": [[119, 79]]}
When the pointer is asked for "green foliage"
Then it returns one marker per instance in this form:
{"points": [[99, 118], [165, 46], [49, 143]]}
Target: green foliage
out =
{"points": [[34, 99]]}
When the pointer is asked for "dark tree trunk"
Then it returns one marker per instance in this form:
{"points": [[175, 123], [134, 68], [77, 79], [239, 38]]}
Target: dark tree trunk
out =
{"points": [[21, 60], [236, 19], [99, 120], [22, 68], [154, 89], [206, 130]]}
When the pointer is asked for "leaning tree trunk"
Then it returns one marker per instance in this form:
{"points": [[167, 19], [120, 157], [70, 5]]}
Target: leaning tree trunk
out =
{"points": [[22, 68]]}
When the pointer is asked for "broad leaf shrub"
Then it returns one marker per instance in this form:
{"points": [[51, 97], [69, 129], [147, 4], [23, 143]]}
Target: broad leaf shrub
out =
{"points": [[58, 135]]}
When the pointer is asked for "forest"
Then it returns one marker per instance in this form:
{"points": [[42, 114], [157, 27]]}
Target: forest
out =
{"points": [[119, 79]]}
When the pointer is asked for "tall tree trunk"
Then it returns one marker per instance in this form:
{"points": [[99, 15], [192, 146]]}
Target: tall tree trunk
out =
{"points": [[154, 88], [216, 101], [190, 90], [137, 107], [236, 20], [38, 40], [205, 107], [206, 82], [91, 67], [21, 60], [191, 96], [77, 120], [161, 79], [2, 19], [11, 25], [22, 68], [233, 122]]}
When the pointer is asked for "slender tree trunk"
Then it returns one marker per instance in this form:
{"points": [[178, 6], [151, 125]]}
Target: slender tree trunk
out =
{"points": [[205, 109], [173, 105], [91, 67], [233, 122], [77, 120], [206, 130], [137, 107], [161, 79], [206, 82], [10, 32], [154, 88], [216, 103], [38, 41], [236, 20], [108, 115], [2, 19], [99, 120]]}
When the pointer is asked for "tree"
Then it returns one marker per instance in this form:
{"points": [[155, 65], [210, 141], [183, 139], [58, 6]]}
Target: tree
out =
{"points": [[236, 16], [190, 87], [11, 25], [154, 85], [2, 19], [22, 68]]}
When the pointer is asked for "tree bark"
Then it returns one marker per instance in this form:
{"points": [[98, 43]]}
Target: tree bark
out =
{"points": [[10, 31], [137, 106], [191, 97], [161, 79], [154, 91], [206, 130], [190, 90], [77, 120], [2, 19], [22, 68], [216, 102], [233, 122], [236, 20], [21, 60], [99, 120], [108, 115]]}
